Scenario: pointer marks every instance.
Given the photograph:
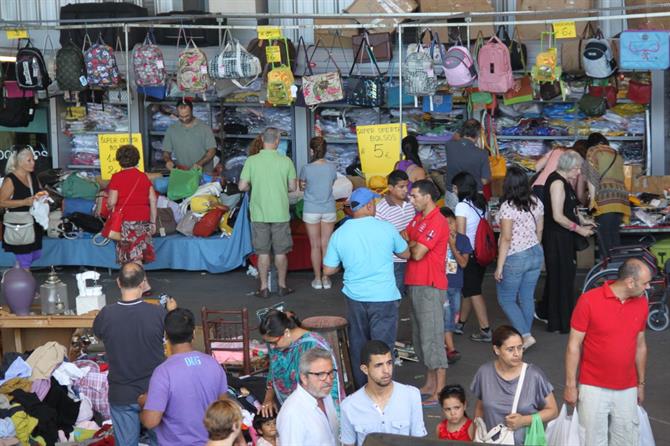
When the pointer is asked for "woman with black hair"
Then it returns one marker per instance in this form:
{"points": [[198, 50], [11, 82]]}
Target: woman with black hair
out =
{"points": [[471, 208], [287, 341], [520, 254], [412, 164]]}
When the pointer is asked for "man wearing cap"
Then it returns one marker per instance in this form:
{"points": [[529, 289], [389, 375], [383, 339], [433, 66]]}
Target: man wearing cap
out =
{"points": [[426, 281], [364, 246], [191, 141]]}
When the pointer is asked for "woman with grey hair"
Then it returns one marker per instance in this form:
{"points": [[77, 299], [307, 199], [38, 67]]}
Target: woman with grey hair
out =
{"points": [[562, 225], [19, 189]]}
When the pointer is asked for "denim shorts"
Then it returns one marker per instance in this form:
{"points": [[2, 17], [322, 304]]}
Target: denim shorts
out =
{"points": [[452, 309]]}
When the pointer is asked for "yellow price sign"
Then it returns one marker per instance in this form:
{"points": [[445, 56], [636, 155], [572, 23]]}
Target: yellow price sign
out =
{"points": [[273, 53], [14, 34], [108, 144], [268, 32], [75, 113], [379, 147], [565, 30]]}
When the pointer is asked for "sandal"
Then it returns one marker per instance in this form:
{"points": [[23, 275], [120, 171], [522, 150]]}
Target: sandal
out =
{"points": [[263, 294], [283, 291]]}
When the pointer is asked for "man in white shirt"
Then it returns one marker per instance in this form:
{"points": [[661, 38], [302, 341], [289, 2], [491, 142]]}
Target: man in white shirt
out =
{"points": [[382, 405], [308, 416]]}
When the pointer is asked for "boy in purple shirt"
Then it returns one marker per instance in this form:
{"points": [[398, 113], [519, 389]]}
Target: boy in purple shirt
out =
{"points": [[182, 387]]}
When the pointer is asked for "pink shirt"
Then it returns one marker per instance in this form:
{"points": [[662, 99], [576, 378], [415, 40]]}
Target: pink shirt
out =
{"points": [[524, 225], [550, 166]]}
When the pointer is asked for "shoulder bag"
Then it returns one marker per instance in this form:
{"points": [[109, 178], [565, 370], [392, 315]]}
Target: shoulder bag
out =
{"points": [[322, 87], [365, 91], [500, 434], [19, 226]]}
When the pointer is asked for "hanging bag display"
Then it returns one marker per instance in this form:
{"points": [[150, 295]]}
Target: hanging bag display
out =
{"points": [[192, 74], [101, 67], [494, 67], [546, 68], [323, 87], [598, 58], [571, 51], [149, 64], [608, 89], [639, 89], [459, 66], [71, 68], [592, 105], [19, 226], [644, 50], [380, 46], [517, 49], [418, 77], [280, 83], [393, 89], [234, 62], [365, 91], [31, 69]]}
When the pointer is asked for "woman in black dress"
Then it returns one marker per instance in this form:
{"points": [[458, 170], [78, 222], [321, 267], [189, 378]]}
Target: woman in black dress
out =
{"points": [[562, 223], [18, 191]]}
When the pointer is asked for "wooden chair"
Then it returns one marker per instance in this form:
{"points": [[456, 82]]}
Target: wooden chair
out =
{"points": [[231, 327]]}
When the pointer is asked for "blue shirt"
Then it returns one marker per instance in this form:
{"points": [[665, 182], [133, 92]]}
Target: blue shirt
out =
{"points": [[402, 415], [464, 247], [365, 247]]}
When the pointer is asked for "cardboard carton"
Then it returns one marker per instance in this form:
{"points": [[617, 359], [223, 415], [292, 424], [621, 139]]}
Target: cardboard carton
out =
{"points": [[381, 7], [328, 37], [652, 185], [649, 22], [553, 8], [462, 6]]}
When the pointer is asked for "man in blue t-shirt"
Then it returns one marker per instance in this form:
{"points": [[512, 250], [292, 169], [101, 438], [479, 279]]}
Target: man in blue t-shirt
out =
{"points": [[364, 246]]}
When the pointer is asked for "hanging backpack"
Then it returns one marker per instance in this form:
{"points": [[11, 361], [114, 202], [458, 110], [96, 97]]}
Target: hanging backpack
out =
{"points": [[280, 84], [645, 50], [418, 75], [71, 68], [31, 69], [517, 49], [459, 66], [486, 248], [192, 76], [597, 57], [546, 68], [495, 67], [101, 67], [235, 63], [149, 64]]}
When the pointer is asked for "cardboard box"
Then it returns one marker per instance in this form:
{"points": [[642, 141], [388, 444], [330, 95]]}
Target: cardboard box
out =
{"points": [[462, 6], [653, 185], [381, 7], [553, 8], [630, 173], [650, 22], [328, 37]]}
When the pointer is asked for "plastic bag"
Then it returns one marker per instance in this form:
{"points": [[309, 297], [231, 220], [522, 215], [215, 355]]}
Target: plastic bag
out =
{"points": [[183, 183], [535, 433], [646, 435], [564, 430]]}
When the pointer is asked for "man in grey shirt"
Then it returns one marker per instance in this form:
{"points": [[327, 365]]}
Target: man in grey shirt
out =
{"points": [[191, 140], [463, 155]]}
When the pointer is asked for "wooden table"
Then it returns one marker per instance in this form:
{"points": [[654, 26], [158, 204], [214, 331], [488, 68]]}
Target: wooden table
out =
{"points": [[39, 329]]}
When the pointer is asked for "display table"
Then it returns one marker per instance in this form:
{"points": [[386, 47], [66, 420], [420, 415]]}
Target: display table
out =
{"points": [[29, 332]]}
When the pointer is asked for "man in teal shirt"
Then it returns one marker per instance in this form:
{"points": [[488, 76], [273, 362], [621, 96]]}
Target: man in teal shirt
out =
{"points": [[191, 141], [272, 176]]}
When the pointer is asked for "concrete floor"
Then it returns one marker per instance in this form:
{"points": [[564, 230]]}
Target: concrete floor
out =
{"points": [[234, 290]]}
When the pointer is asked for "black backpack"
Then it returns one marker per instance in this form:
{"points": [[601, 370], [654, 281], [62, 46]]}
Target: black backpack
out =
{"points": [[16, 112], [31, 70], [70, 68]]}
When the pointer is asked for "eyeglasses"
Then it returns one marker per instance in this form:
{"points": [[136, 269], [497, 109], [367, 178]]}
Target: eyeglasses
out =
{"points": [[321, 376]]}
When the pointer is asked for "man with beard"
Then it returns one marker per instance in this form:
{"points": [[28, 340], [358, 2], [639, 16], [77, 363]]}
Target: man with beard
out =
{"points": [[308, 416], [382, 405], [191, 141]]}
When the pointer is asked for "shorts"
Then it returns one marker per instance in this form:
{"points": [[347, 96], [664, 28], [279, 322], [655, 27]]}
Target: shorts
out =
{"points": [[473, 276], [312, 219], [273, 238]]}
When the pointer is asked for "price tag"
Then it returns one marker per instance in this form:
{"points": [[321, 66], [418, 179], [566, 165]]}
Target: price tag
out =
{"points": [[108, 144], [379, 147], [273, 53], [14, 34], [268, 32], [75, 113], [565, 30]]}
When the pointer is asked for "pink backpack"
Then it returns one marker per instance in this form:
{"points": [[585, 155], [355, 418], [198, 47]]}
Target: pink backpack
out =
{"points": [[495, 67], [459, 66]]}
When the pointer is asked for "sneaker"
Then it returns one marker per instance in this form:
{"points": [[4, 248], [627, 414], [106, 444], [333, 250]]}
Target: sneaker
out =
{"points": [[539, 318], [327, 284], [453, 356], [317, 284], [458, 328], [528, 342], [482, 336]]}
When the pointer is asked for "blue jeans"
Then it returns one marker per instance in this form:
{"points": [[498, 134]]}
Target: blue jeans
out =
{"points": [[399, 273], [368, 321], [516, 291], [452, 307], [126, 422]]}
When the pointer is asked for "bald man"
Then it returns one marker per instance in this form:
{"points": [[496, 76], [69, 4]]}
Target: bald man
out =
{"points": [[607, 344], [132, 331]]}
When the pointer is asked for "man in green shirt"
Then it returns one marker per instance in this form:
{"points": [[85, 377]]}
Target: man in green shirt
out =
{"points": [[272, 176], [191, 140]]}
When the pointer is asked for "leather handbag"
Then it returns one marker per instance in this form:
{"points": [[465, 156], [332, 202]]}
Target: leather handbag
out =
{"points": [[19, 228], [571, 51], [550, 90], [380, 45], [609, 91], [165, 222], [639, 92], [521, 92], [322, 87], [112, 227], [592, 105], [517, 50], [365, 91]]}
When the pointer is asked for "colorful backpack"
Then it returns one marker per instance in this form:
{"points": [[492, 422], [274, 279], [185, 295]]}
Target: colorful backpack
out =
{"points": [[280, 84], [31, 69], [459, 66], [148, 64], [235, 63], [192, 73], [101, 67], [546, 68], [71, 68], [597, 57], [495, 67], [418, 77]]}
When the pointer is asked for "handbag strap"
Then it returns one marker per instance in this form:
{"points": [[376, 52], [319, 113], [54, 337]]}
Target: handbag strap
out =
{"points": [[130, 195], [329, 59], [610, 166], [303, 45], [519, 386], [365, 43]]}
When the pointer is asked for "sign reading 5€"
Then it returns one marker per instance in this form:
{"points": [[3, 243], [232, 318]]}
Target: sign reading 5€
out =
{"points": [[108, 144], [379, 147]]}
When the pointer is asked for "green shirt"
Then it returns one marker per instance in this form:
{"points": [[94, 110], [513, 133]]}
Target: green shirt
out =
{"points": [[268, 172], [190, 144]]}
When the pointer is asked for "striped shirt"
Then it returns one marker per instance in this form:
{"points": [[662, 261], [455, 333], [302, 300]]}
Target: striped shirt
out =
{"points": [[398, 215]]}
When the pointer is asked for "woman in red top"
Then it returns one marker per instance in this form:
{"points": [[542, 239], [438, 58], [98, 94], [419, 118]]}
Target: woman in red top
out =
{"points": [[132, 194], [456, 424]]}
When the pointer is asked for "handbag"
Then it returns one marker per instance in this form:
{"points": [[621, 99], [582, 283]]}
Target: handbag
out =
{"points": [[521, 92], [497, 162], [112, 227], [323, 87], [592, 105], [607, 91], [571, 51], [393, 90], [165, 222], [500, 434], [639, 92], [365, 91], [535, 433], [183, 183], [187, 223], [517, 50], [379, 43], [19, 228], [550, 90]]}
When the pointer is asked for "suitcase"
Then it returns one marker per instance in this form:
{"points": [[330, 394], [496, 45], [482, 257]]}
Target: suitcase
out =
{"points": [[201, 37]]}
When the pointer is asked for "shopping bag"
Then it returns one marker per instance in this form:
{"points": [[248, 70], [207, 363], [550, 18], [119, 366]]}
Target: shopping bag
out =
{"points": [[646, 435], [564, 429], [183, 183], [75, 186], [535, 433]]}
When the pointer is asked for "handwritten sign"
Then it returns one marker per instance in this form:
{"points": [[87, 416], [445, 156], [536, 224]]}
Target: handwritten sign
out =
{"points": [[75, 113], [268, 32], [273, 53], [565, 30], [14, 34], [108, 144], [379, 147]]}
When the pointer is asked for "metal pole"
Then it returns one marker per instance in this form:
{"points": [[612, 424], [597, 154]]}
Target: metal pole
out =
{"points": [[400, 79], [128, 101]]}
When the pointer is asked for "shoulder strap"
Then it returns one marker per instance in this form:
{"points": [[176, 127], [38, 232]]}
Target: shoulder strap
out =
{"points": [[481, 216], [610, 166], [519, 386]]}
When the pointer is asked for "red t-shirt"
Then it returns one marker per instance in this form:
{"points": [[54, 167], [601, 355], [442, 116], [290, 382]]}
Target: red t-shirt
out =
{"points": [[462, 434], [132, 181], [610, 344], [433, 233]]}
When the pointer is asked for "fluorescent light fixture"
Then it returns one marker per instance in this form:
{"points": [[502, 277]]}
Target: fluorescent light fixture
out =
{"points": [[7, 58]]}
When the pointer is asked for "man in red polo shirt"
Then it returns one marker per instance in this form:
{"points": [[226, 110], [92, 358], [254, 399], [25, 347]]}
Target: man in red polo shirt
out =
{"points": [[426, 280], [607, 342]]}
